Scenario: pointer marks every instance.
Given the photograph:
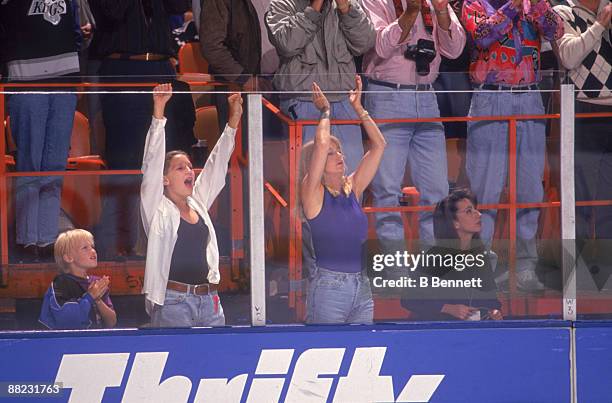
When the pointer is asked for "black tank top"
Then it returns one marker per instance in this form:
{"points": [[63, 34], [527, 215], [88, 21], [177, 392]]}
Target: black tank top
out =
{"points": [[189, 263]]}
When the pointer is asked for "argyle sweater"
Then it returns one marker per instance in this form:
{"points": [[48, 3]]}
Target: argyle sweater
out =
{"points": [[586, 52]]}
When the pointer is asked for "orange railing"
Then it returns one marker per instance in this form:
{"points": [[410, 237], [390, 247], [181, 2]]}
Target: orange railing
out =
{"points": [[236, 175], [295, 129]]}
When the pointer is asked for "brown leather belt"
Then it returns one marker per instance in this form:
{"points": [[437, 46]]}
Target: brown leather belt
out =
{"points": [[195, 289], [144, 56]]}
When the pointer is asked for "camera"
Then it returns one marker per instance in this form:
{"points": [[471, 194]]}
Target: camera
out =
{"points": [[422, 53]]}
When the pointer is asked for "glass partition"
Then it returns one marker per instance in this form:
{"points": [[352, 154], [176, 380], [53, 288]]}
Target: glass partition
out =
{"points": [[439, 142], [593, 206], [94, 143]]}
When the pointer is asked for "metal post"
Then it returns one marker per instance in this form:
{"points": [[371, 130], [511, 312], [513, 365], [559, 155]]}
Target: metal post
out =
{"points": [[568, 222], [256, 212], [568, 202], [4, 256], [512, 214]]}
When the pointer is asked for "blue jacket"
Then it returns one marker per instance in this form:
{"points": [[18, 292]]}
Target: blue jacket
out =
{"points": [[71, 309]]}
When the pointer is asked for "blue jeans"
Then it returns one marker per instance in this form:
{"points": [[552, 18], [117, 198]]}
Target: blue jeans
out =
{"points": [[188, 310], [422, 145], [487, 157], [336, 297], [349, 135], [41, 127]]}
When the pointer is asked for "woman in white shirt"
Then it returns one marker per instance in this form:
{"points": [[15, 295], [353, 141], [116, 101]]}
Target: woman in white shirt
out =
{"points": [[182, 267]]}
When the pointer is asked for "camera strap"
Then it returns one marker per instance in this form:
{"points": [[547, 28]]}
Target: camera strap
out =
{"points": [[425, 13]]}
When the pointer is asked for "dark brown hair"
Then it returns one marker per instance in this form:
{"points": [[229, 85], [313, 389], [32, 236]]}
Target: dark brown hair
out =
{"points": [[445, 214], [170, 155]]}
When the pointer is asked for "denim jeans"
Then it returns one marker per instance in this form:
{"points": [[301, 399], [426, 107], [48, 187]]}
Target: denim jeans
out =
{"points": [[349, 135], [453, 103], [336, 297], [188, 310], [487, 158], [41, 125], [422, 145]]}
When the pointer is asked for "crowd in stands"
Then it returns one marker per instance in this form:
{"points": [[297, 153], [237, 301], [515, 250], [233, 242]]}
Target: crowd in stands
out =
{"points": [[405, 50]]}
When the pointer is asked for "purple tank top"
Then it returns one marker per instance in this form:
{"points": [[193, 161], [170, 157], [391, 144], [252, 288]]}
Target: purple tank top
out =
{"points": [[339, 233]]}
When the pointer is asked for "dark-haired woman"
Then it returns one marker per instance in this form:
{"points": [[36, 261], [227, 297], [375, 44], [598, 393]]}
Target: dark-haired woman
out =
{"points": [[182, 267], [339, 291], [455, 278]]}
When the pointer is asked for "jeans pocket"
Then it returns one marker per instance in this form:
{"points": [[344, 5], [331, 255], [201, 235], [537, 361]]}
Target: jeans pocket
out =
{"points": [[330, 282], [482, 103], [174, 298]]}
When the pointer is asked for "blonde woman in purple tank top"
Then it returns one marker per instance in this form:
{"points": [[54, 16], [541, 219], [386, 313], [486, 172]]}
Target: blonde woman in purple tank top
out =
{"points": [[339, 290]]}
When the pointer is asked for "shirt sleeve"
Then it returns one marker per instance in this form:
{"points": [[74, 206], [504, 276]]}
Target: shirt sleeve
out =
{"points": [[357, 28], [212, 178], [152, 187], [484, 29], [290, 30], [452, 41], [573, 45], [388, 33], [548, 23]]}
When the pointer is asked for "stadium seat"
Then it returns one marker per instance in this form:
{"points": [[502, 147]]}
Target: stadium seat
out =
{"points": [[207, 125], [191, 60], [81, 194]]}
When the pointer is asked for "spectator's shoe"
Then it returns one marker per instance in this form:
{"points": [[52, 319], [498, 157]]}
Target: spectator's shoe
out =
{"points": [[28, 253], [111, 255], [46, 253], [527, 280]]}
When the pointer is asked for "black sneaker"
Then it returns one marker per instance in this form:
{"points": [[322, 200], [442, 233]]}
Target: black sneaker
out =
{"points": [[28, 254]]}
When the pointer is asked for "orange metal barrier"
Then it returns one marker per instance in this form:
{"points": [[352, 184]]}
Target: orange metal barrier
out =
{"points": [[236, 177], [295, 129]]}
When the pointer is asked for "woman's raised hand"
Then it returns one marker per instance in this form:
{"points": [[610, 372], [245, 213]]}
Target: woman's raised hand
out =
{"points": [[319, 99], [355, 96]]}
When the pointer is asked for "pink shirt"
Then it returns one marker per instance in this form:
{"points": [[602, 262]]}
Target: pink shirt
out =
{"points": [[386, 61]]}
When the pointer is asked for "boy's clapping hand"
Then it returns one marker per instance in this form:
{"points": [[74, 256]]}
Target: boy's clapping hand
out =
{"points": [[99, 287]]}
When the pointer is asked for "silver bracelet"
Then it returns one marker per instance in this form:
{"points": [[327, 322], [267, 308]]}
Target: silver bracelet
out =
{"points": [[442, 12]]}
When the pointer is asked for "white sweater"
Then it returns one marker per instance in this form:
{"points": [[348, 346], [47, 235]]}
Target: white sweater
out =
{"points": [[161, 217], [583, 50]]}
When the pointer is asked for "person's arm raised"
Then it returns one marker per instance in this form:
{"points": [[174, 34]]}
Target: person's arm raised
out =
{"points": [[152, 188], [368, 166], [311, 187], [212, 179]]}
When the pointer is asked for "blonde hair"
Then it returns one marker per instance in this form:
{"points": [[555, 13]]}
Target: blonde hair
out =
{"points": [[307, 151], [66, 243]]}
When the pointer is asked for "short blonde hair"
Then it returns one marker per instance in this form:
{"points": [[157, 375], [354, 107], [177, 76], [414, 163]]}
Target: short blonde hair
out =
{"points": [[66, 243]]}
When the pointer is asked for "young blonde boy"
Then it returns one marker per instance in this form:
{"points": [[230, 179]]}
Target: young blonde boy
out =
{"points": [[76, 300]]}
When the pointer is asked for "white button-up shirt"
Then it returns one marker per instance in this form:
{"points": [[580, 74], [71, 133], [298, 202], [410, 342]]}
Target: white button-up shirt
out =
{"points": [[161, 217]]}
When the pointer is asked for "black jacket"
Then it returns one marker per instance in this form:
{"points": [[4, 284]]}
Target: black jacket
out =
{"points": [[134, 26], [426, 302], [230, 38]]}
